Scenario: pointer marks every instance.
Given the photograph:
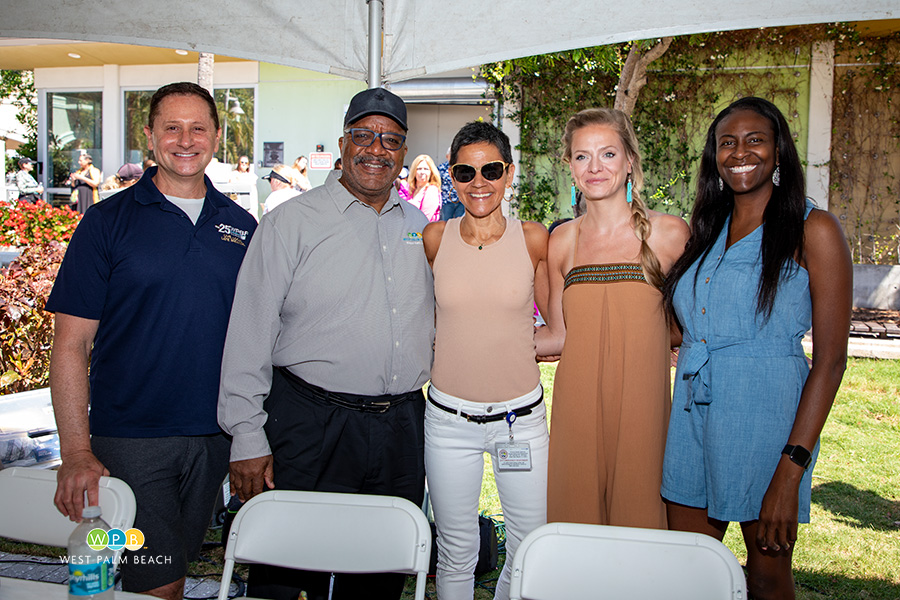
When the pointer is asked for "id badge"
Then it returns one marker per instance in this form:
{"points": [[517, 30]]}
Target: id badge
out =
{"points": [[513, 456]]}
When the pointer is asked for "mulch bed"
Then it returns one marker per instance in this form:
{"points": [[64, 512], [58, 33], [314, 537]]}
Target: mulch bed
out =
{"points": [[874, 314]]}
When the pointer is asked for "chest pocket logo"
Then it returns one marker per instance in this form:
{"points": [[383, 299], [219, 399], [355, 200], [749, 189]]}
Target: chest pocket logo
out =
{"points": [[413, 237], [232, 234]]}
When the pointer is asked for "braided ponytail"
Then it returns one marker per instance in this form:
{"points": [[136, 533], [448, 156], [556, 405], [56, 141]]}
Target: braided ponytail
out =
{"points": [[641, 224]]}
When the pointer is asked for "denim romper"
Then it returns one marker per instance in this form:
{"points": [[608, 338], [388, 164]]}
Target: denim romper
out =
{"points": [[737, 384]]}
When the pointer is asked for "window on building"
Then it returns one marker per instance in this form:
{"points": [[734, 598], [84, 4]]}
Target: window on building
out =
{"points": [[236, 108], [74, 127], [137, 109]]}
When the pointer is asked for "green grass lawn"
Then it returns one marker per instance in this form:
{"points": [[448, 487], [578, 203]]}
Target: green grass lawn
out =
{"points": [[851, 548]]}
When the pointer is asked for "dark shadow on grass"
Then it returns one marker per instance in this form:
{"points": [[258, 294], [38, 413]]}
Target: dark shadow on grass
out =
{"points": [[857, 508], [828, 585]]}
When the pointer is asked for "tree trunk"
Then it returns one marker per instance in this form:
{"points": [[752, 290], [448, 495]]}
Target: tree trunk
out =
{"points": [[205, 66], [634, 73]]}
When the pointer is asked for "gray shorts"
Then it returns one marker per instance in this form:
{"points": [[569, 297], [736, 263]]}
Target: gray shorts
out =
{"points": [[175, 481]]}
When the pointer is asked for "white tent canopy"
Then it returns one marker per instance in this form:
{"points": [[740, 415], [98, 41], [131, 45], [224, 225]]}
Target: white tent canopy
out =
{"points": [[420, 37]]}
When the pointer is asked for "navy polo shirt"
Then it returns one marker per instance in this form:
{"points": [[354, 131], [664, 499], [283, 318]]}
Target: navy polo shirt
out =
{"points": [[162, 290]]}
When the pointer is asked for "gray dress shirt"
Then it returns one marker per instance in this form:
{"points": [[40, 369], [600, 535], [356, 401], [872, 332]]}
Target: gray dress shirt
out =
{"points": [[336, 292]]}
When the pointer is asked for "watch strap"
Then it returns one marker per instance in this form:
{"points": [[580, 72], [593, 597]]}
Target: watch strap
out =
{"points": [[798, 455]]}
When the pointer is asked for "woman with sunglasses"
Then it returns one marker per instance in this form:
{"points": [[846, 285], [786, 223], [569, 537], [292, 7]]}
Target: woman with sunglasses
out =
{"points": [[424, 182], [243, 174], [485, 393], [611, 394]]}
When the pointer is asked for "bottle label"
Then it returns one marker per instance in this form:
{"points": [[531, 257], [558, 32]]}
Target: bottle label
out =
{"points": [[90, 579]]}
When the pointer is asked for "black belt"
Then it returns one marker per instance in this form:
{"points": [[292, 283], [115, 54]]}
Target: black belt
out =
{"points": [[520, 412], [358, 402]]}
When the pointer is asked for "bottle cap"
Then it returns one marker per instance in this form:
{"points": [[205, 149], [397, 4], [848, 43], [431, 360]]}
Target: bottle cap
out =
{"points": [[91, 512]]}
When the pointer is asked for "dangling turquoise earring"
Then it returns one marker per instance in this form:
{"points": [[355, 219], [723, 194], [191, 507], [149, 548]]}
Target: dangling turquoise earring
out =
{"points": [[574, 198], [628, 189]]}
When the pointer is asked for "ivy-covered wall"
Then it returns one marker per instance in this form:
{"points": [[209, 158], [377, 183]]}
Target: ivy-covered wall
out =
{"points": [[865, 149], [698, 76]]}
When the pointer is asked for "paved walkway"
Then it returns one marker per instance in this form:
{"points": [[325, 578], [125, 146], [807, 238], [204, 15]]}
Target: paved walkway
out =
{"points": [[866, 347]]}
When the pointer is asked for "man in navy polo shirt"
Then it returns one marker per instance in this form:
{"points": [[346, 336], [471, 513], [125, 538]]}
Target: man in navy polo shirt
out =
{"points": [[144, 294]]}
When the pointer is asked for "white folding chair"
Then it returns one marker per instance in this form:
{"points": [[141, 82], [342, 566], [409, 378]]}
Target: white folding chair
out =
{"points": [[334, 533], [568, 561], [27, 512]]}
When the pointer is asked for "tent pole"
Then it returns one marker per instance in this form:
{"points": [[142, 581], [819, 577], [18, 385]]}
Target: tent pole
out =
{"points": [[376, 11]]}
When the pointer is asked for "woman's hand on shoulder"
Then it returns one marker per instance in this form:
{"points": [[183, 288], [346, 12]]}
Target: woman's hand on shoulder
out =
{"points": [[431, 238]]}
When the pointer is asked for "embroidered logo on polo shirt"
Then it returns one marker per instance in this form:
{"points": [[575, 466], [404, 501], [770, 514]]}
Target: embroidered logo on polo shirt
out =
{"points": [[232, 234], [413, 237]]}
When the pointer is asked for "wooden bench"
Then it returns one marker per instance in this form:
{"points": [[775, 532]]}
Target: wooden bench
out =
{"points": [[874, 329]]}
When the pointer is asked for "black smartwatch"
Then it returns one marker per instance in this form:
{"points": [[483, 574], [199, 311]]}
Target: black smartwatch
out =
{"points": [[798, 455]]}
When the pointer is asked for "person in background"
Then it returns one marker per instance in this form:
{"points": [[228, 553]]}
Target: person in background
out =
{"points": [[142, 302], [761, 267], [242, 171], [425, 186], [485, 386], [402, 185], [85, 183], [301, 175], [29, 189], [330, 343], [279, 179], [611, 393], [450, 205], [243, 174], [338, 164], [148, 162], [127, 175]]}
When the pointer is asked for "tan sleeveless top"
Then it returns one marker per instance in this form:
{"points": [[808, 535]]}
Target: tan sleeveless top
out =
{"points": [[484, 346]]}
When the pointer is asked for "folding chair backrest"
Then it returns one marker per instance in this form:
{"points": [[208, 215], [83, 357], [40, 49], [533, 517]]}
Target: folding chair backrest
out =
{"points": [[340, 533], [567, 561], [27, 512]]}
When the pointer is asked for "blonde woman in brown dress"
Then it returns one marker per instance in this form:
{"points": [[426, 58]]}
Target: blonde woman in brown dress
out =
{"points": [[611, 396]]}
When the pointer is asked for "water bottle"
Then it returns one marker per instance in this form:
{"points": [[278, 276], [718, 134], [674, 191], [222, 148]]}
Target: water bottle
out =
{"points": [[91, 572]]}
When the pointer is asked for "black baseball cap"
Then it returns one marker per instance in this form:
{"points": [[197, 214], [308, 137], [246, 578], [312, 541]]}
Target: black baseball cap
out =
{"points": [[376, 101]]}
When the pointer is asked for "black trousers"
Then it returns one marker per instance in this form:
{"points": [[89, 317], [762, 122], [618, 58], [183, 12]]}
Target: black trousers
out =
{"points": [[319, 446]]}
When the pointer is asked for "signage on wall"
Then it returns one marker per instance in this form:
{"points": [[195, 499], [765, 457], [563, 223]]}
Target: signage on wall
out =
{"points": [[320, 160], [273, 153]]}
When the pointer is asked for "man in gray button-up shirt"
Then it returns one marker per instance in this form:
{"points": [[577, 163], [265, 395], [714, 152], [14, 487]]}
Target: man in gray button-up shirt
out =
{"points": [[331, 331]]}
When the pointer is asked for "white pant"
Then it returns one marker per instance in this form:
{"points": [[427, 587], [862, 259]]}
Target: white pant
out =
{"points": [[454, 465]]}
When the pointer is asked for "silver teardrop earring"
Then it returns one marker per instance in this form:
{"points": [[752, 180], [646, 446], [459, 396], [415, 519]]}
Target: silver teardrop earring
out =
{"points": [[776, 175], [721, 184]]}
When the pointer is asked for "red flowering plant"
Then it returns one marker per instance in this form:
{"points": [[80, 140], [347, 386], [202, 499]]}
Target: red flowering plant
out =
{"points": [[25, 224], [26, 331]]}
